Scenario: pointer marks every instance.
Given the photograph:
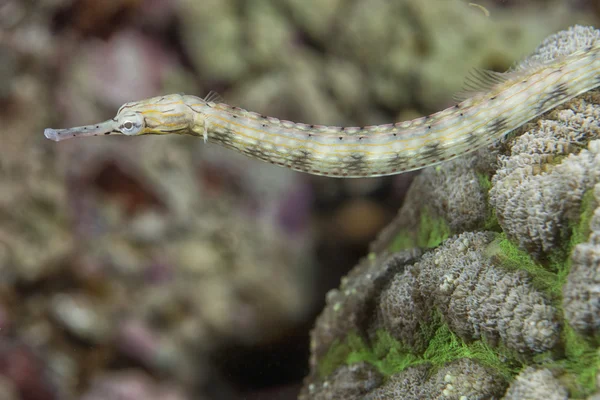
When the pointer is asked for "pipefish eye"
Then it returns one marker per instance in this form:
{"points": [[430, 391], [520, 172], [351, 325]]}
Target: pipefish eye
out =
{"points": [[131, 124]]}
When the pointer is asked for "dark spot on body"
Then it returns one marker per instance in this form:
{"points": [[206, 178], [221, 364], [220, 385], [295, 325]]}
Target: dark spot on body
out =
{"points": [[257, 152], [558, 93], [471, 138], [356, 163], [432, 150], [497, 126], [300, 159], [398, 161], [224, 136]]}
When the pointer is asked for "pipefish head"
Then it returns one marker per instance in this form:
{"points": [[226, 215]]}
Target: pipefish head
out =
{"points": [[154, 116]]}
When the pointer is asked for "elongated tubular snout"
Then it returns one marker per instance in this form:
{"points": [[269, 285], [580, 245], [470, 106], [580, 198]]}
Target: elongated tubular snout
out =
{"points": [[103, 128]]}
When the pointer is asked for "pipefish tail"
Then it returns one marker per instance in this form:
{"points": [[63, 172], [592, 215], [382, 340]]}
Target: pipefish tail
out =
{"points": [[496, 104]]}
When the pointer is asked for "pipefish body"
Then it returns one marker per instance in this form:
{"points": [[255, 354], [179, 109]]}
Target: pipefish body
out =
{"points": [[498, 104]]}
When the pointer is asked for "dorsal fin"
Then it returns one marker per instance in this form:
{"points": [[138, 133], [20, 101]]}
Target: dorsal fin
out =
{"points": [[213, 97], [481, 81]]}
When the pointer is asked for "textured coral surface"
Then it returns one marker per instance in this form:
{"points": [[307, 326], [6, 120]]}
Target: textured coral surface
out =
{"points": [[502, 299]]}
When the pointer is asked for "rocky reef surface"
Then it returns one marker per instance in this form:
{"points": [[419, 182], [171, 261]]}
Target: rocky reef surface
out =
{"points": [[487, 285]]}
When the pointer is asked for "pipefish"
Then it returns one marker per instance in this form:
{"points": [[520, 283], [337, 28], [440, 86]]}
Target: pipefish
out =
{"points": [[496, 104]]}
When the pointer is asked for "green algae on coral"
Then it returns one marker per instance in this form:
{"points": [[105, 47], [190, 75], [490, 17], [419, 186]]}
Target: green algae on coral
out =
{"points": [[484, 181], [506, 254], [576, 355], [548, 275], [560, 259], [391, 356], [581, 358], [582, 362], [431, 232], [446, 346], [581, 230], [491, 221]]}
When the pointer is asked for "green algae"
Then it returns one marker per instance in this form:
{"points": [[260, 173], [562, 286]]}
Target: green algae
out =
{"points": [[581, 362], [506, 254], [550, 274], [484, 181], [391, 356], [581, 229], [446, 346], [582, 354], [578, 355], [402, 241], [432, 231], [491, 222]]}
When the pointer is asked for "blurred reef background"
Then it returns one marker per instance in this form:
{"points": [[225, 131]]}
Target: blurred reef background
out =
{"points": [[162, 268]]}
